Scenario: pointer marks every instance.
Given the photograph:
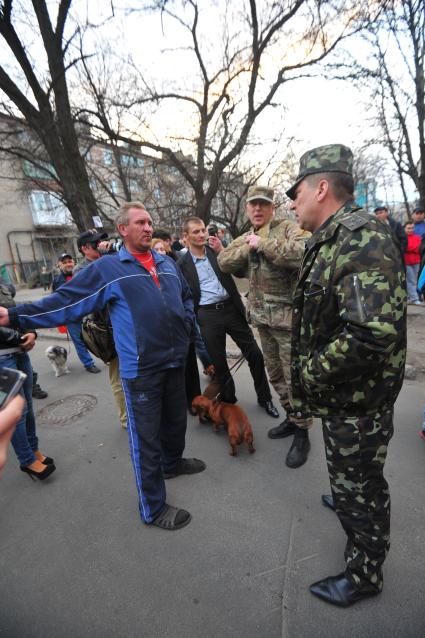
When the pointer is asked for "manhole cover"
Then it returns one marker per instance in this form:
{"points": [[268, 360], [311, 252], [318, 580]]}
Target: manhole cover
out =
{"points": [[65, 410]]}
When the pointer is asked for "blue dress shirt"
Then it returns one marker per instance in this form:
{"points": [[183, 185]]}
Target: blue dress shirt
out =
{"points": [[211, 289]]}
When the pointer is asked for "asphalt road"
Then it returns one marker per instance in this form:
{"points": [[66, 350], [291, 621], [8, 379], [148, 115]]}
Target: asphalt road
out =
{"points": [[76, 560]]}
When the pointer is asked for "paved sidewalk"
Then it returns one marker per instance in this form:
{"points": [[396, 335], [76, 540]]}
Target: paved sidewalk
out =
{"points": [[77, 562]]}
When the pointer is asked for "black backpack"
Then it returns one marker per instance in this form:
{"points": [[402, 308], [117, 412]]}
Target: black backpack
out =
{"points": [[96, 332], [6, 294]]}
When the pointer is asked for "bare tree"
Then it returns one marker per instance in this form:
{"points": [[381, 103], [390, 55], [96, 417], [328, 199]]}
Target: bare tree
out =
{"points": [[233, 80], [394, 71], [249, 168], [44, 101]]}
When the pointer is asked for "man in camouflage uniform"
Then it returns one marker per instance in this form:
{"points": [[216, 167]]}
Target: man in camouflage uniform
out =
{"points": [[348, 356], [270, 255]]}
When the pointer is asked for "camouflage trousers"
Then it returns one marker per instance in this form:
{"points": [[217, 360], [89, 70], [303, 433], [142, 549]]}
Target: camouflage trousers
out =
{"points": [[356, 449], [276, 347]]}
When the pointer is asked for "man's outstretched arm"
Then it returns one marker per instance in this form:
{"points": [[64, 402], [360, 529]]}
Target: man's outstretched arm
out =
{"points": [[80, 296]]}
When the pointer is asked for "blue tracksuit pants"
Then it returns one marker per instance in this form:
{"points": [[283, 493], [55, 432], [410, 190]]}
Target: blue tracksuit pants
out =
{"points": [[156, 426]]}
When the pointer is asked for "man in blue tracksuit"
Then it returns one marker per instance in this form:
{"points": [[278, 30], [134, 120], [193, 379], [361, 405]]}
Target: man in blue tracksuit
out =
{"points": [[151, 310]]}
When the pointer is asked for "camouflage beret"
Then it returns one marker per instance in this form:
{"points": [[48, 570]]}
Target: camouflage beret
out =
{"points": [[260, 192], [333, 158]]}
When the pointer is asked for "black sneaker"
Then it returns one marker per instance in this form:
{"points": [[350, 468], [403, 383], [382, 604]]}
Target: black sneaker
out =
{"points": [[38, 393], [93, 369], [186, 466]]}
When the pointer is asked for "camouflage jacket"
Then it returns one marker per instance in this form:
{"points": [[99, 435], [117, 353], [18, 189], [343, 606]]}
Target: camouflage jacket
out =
{"points": [[271, 269], [349, 325]]}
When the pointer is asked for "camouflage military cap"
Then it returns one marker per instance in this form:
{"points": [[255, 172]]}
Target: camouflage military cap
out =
{"points": [[260, 192], [333, 158]]}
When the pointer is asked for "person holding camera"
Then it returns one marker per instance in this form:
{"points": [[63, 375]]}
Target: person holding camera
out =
{"points": [[93, 245], [67, 269], [215, 231]]}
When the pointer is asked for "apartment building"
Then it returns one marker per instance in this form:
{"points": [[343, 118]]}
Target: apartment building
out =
{"points": [[37, 226]]}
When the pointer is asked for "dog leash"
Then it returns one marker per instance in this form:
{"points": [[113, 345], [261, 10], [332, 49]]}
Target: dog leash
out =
{"points": [[234, 367]]}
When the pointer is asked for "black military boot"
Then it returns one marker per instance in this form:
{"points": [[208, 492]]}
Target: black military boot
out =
{"points": [[37, 392], [299, 449], [286, 428]]}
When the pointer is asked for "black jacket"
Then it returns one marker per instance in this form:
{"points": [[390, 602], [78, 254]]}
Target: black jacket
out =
{"points": [[188, 269], [398, 233], [9, 338], [58, 281]]}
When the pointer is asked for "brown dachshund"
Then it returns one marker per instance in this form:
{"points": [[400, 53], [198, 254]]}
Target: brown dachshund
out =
{"points": [[201, 407], [239, 429]]}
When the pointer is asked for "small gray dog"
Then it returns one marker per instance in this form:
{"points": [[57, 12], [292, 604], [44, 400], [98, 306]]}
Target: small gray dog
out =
{"points": [[57, 357]]}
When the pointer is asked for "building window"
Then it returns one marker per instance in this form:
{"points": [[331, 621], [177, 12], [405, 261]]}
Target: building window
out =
{"points": [[39, 170], [108, 157], [157, 193], [134, 186], [131, 161], [114, 187], [48, 210]]}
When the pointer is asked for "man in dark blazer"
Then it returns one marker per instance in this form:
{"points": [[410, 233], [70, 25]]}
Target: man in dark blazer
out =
{"points": [[220, 311]]}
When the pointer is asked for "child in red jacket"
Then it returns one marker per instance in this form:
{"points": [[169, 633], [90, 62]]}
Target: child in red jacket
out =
{"points": [[412, 260]]}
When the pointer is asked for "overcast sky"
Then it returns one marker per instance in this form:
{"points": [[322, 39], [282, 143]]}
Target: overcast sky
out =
{"points": [[313, 111]]}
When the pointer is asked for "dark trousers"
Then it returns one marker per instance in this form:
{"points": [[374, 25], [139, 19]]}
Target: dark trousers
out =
{"points": [[192, 381], [356, 449], [215, 324], [156, 425]]}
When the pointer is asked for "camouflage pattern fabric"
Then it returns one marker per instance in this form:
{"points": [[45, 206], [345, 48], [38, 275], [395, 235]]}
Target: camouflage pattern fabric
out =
{"points": [[349, 326], [260, 192], [276, 347], [356, 448], [332, 158], [348, 357], [272, 271]]}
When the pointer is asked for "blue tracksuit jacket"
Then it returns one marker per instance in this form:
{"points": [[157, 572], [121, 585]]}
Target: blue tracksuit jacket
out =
{"points": [[151, 325]]}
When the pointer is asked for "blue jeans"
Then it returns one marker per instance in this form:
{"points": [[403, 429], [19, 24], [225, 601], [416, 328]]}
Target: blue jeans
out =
{"points": [[156, 425], [85, 357], [24, 439], [412, 282]]}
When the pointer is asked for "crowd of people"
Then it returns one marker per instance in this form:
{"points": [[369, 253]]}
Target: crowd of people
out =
{"points": [[327, 294]]}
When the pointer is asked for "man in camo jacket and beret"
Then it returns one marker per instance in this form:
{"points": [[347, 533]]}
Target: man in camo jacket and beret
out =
{"points": [[348, 357], [270, 255]]}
